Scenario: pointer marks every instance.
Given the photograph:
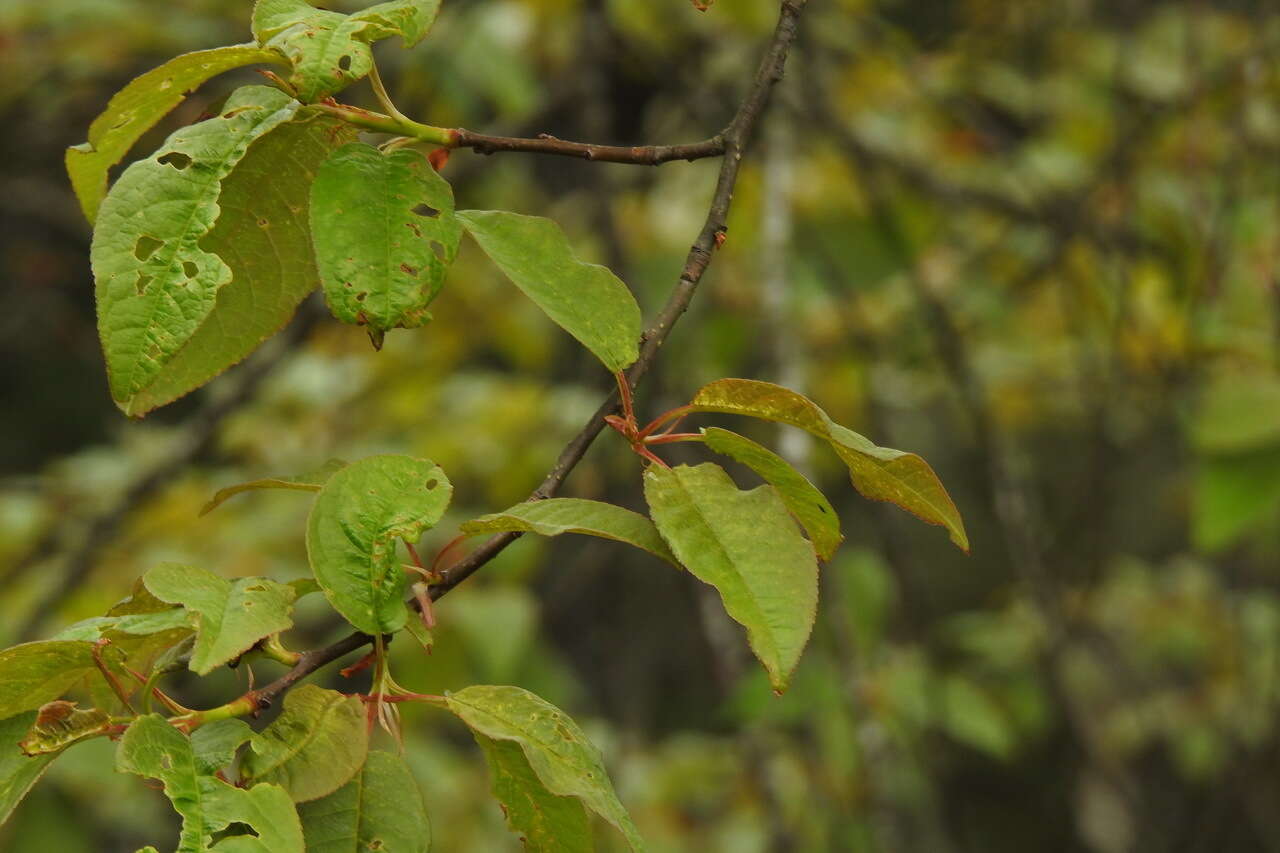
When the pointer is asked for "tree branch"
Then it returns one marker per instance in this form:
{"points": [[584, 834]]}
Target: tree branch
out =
{"points": [[644, 155], [734, 139]]}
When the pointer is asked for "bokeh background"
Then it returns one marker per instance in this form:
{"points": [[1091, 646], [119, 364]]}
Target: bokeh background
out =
{"points": [[1036, 242]]}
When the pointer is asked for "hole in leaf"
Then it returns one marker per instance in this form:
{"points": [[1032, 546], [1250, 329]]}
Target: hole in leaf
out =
{"points": [[189, 269], [235, 112], [425, 210], [417, 232], [143, 281], [360, 298], [262, 223], [345, 62], [146, 247], [432, 483], [439, 249], [176, 159]]}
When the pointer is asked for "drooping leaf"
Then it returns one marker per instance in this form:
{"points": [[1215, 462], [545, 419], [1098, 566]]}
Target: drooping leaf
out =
{"points": [[586, 300], [229, 616], [308, 482], [379, 809], [879, 473], [562, 758], [746, 545], [545, 822], [385, 236], [357, 518], [420, 632], [214, 744], [18, 772], [35, 673], [59, 724], [156, 284], [156, 750], [138, 106], [314, 747], [265, 241], [554, 516], [810, 507], [329, 50]]}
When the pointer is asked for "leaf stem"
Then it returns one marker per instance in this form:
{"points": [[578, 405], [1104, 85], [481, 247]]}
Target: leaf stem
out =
{"points": [[274, 649]]}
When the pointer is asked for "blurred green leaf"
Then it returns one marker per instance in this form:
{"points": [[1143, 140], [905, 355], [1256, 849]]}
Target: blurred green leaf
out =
{"points": [[18, 772], [380, 809]]}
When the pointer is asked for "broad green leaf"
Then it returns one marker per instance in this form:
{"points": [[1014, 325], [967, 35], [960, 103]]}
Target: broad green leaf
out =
{"points": [[265, 241], [134, 624], [554, 516], [314, 747], [59, 724], [545, 822], [747, 546], [385, 235], [309, 482], [586, 300], [35, 673], [138, 106], [229, 616], [155, 283], [810, 507], [379, 809], [1234, 494], [214, 745], [329, 50], [879, 473], [562, 758], [18, 772], [156, 750], [357, 518]]}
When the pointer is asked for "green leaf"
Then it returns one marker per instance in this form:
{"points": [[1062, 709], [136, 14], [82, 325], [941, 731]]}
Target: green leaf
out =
{"points": [[554, 516], [329, 50], [562, 758], [18, 772], [35, 673], [59, 724], [314, 747], [156, 284], [229, 616], [810, 507], [586, 300], [379, 809], [265, 241], [138, 106], [385, 235], [156, 750], [214, 745], [878, 473], [309, 482], [352, 531], [747, 546], [545, 822]]}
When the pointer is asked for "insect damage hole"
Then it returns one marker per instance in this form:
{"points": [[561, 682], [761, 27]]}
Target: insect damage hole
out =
{"points": [[176, 159], [189, 269], [441, 252], [425, 210], [146, 247], [345, 62]]}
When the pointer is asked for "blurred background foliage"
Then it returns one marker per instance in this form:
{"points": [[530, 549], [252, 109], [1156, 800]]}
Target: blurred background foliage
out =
{"points": [[1035, 242]]}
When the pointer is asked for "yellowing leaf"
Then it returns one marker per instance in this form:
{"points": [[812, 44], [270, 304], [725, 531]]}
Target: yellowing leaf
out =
{"points": [[314, 747], [879, 473], [138, 106], [309, 482], [353, 529], [564, 761], [586, 300], [746, 545], [554, 516], [545, 822]]}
